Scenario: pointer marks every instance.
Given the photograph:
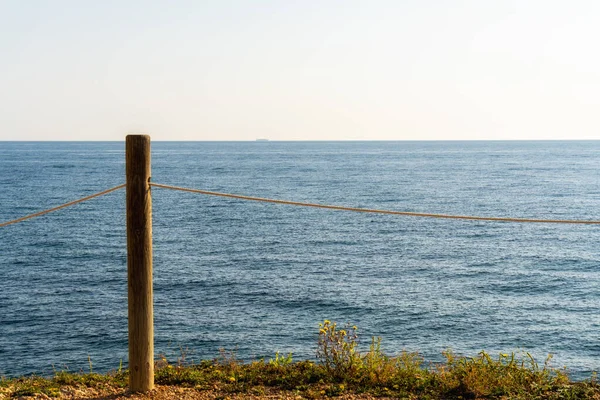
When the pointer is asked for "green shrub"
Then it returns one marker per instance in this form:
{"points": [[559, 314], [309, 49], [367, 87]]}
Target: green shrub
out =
{"points": [[343, 369], [337, 350]]}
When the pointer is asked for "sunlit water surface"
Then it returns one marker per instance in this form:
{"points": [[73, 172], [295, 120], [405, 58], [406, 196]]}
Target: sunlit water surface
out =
{"points": [[257, 278]]}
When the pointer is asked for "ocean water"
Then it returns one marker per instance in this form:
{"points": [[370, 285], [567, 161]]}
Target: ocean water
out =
{"points": [[258, 278]]}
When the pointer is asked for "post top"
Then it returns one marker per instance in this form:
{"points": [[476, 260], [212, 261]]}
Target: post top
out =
{"points": [[137, 135]]}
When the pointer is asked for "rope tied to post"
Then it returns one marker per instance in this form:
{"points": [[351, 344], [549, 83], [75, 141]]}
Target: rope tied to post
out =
{"points": [[71, 203], [313, 205], [376, 211]]}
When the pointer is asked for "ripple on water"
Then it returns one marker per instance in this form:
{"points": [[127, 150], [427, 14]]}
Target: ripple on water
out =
{"points": [[259, 277]]}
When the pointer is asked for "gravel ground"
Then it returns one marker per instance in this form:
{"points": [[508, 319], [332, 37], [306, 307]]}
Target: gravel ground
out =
{"points": [[174, 392]]}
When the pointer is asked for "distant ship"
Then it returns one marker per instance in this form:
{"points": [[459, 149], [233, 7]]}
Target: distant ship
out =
{"points": [[262, 140]]}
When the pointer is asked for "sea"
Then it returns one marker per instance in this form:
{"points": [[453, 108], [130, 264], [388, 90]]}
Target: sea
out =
{"points": [[251, 279]]}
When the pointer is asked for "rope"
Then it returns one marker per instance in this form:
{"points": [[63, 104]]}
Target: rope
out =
{"points": [[314, 205], [367, 210], [14, 221]]}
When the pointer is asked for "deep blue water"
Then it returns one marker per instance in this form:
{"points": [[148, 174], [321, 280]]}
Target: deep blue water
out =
{"points": [[258, 278]]}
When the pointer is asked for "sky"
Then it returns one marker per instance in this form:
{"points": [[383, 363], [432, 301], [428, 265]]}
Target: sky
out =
{"points": [[299, 70]]}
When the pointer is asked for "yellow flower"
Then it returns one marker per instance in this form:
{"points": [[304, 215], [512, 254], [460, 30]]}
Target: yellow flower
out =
{"points": [[231, 379], [327, 322]]}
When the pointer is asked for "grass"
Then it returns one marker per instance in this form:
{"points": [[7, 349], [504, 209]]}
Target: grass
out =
{"points": [[31, 385], [340, 369]]}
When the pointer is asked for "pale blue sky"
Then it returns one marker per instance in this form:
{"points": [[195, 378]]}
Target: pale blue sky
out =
{"points": [[299, 70]]}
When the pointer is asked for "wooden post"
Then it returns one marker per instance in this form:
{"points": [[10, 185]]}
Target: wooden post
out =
{"points": [[139, 263]]}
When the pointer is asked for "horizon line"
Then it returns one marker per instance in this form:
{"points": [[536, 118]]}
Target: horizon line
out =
{"points": [[265, 140]]}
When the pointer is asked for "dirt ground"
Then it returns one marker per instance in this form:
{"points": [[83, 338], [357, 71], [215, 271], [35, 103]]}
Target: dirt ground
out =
{"points": [[174, 392]]}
